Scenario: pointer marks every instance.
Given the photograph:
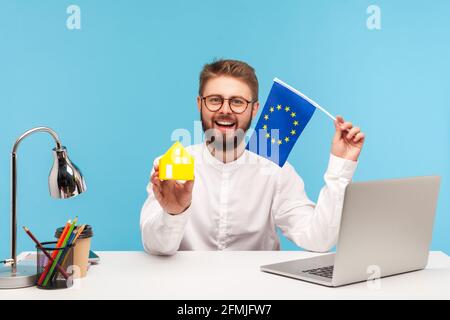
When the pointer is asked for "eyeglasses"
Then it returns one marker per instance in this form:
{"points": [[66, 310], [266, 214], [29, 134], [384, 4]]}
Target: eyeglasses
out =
{"points": [[215, 102]]}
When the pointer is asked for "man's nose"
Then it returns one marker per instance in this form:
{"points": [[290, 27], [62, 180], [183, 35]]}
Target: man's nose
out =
{"points": [[226, 107]]}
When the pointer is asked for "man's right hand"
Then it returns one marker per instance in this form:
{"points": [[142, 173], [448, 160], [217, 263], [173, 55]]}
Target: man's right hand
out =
{"points": [[174, 197]]}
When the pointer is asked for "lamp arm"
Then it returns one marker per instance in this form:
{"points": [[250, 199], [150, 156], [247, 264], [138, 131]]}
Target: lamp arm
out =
{"points": [[14, 187], [34, 130]]}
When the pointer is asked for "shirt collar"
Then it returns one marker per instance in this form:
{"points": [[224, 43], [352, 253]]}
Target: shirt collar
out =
{"points": [[209, 159]]}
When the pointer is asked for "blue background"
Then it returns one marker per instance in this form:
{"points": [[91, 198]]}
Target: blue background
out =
{"points": [[116, 89]]}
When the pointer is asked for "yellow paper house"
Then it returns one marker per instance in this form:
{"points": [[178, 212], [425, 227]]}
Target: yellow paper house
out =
{"points": [[176, 164]]}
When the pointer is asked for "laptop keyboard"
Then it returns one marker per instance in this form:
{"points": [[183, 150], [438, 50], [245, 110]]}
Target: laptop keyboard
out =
{"points": [[326, 272]]}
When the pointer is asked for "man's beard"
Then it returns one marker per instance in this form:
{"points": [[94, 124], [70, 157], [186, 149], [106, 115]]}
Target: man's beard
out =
{"points": [[224, 141]]}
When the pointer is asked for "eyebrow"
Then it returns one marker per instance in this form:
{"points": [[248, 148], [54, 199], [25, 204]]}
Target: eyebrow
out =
{"points": [[232, 96]]}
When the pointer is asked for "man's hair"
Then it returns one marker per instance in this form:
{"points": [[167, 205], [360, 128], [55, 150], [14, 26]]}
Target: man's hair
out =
{"points": [[232, 68]]}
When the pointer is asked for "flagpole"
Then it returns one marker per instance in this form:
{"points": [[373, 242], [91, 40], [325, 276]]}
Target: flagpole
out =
{"points": [[315, 104]]}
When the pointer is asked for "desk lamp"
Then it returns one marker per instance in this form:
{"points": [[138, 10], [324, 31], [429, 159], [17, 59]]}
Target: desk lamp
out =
{"points": [[65, 181]]}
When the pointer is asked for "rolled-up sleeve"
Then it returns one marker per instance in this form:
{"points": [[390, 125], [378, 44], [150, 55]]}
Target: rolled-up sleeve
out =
{"points": [[314, 227]]}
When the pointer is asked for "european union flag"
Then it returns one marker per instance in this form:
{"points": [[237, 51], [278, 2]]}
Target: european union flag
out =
{"points": [[282, 121]]}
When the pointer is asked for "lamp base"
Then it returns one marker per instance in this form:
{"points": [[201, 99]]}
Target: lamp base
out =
{"points": [[24, 277]]}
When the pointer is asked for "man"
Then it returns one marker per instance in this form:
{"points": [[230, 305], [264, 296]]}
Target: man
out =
{"points": [[233, 204]]}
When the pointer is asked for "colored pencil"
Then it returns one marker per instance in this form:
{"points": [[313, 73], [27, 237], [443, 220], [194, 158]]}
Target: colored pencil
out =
{"points": [[54, 253], [49, 274], [79, 231], [64, 253], [39, 245]]}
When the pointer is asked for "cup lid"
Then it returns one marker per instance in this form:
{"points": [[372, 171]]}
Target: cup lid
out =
{"points": [[87, 232]]}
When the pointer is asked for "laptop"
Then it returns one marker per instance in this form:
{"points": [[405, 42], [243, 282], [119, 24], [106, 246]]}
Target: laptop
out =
{"points": [[386, 227]]}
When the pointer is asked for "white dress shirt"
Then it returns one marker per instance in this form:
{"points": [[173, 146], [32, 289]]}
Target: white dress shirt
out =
{"points": [[238, 205]]}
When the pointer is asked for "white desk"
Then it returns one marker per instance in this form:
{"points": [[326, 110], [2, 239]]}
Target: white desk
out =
{"points": [[230, 275]]}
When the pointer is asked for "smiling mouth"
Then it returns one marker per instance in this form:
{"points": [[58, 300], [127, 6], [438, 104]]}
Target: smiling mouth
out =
{"points": [[222, 124]]}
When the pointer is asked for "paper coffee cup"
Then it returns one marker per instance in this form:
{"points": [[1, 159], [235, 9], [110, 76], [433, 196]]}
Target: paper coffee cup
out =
{"points": [[81, 250]]}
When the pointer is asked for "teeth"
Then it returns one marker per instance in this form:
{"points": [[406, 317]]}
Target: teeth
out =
{"points": [[224, 123]]}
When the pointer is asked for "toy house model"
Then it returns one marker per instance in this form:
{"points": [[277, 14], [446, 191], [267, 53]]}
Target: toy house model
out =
{"points": [[176, 164]]}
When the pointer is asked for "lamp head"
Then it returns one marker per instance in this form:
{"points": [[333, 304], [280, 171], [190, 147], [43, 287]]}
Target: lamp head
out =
{"points": [[65, 179]]}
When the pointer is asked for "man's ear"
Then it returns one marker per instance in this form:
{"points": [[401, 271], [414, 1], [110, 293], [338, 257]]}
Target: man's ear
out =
{"points": [[199, 103], [255, 108]]}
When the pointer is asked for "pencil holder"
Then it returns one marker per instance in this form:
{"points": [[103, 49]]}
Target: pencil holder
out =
{"points": [[81, 252], [49, 275]]}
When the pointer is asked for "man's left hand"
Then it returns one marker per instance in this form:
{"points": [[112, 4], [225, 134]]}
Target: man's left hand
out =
{"points": [[348, 140]]}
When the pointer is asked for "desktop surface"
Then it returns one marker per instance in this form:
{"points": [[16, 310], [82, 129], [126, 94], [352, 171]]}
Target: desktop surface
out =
{"points": [[231, 275]]}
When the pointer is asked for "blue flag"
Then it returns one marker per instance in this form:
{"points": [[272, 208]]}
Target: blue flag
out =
{"points": [[282, 121]]}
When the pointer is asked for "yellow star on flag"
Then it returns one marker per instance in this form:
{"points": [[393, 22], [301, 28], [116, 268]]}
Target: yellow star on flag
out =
{"points": [[287, 109]]}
